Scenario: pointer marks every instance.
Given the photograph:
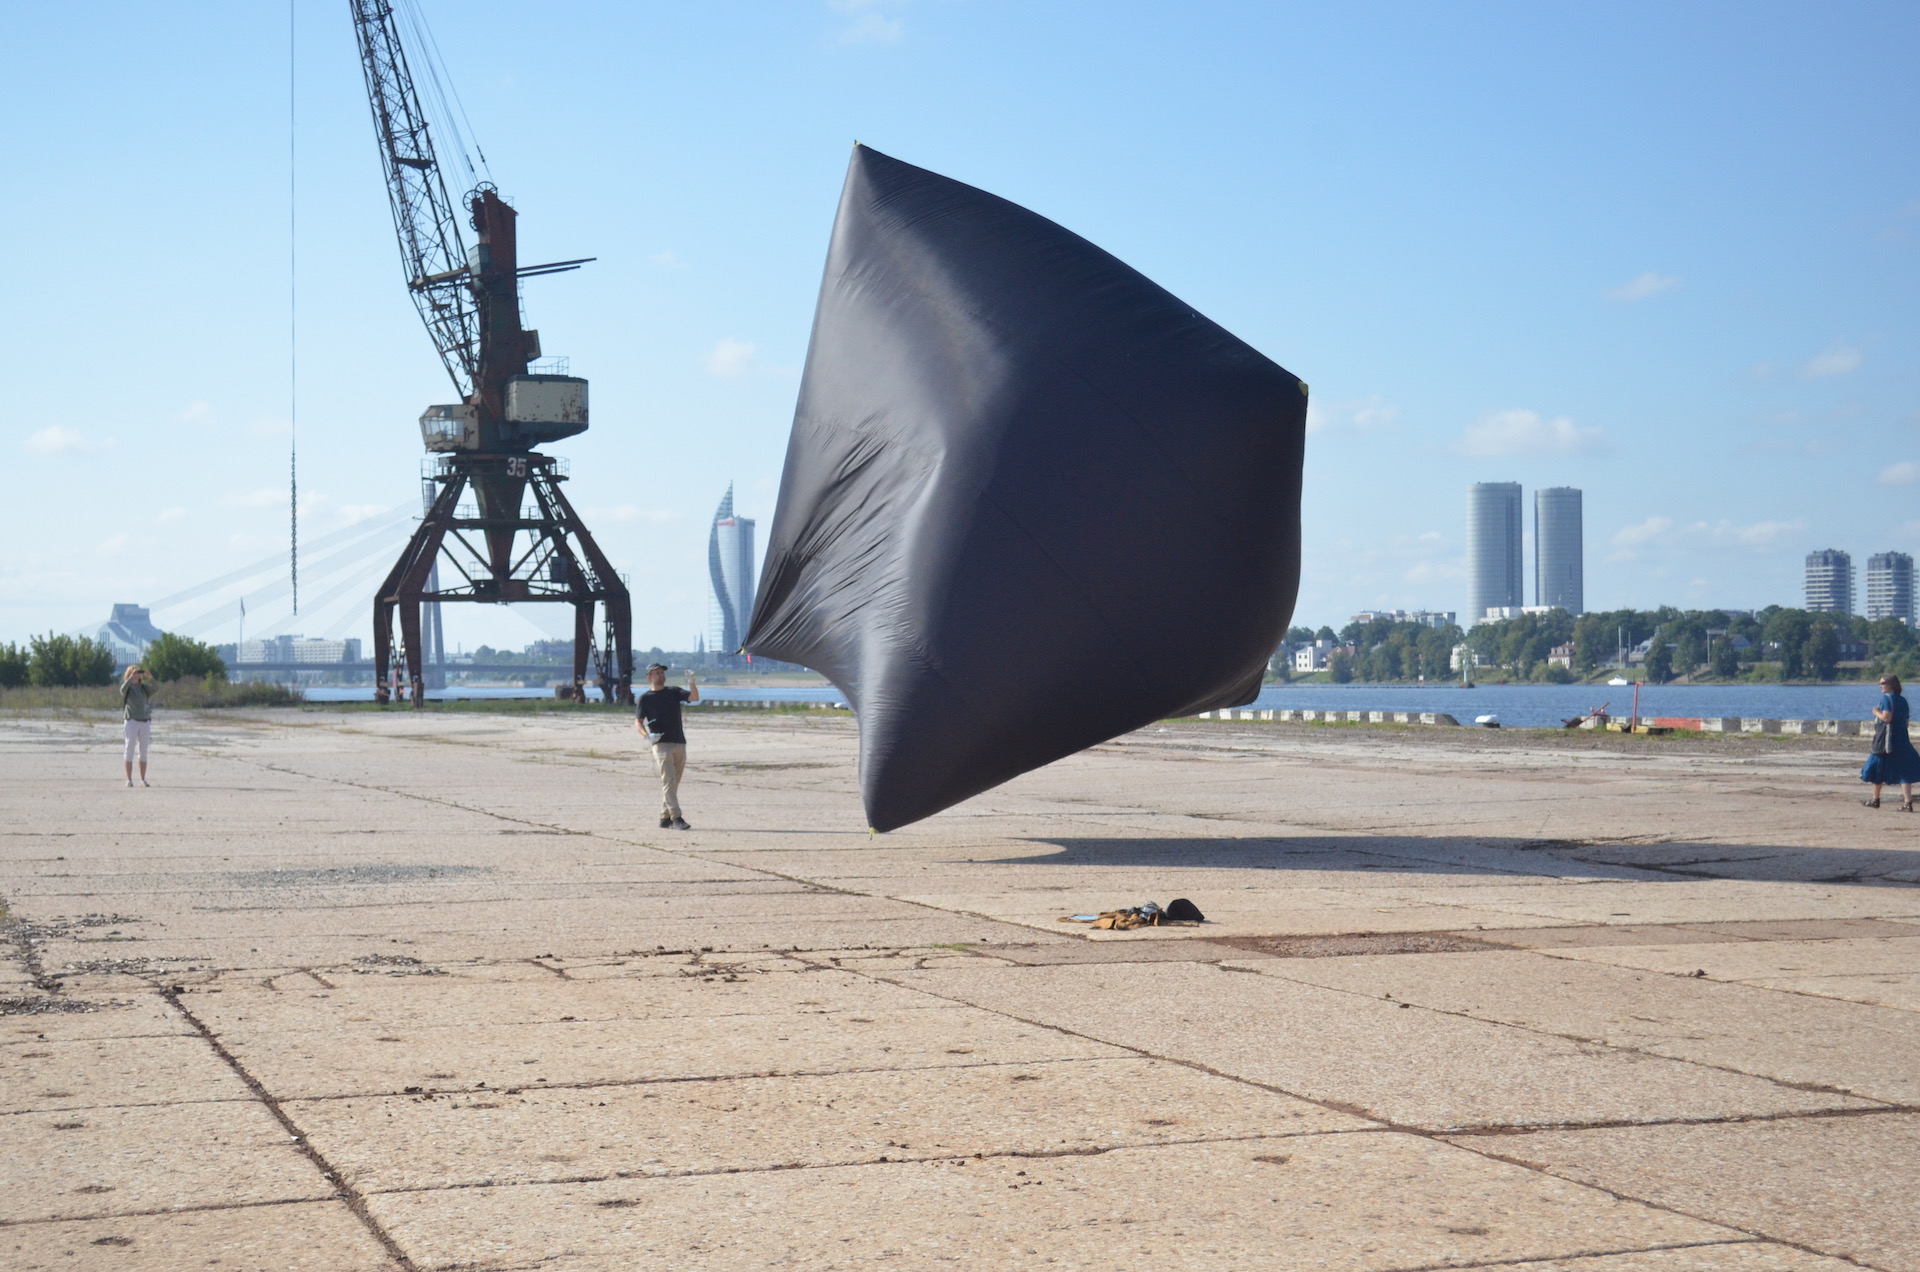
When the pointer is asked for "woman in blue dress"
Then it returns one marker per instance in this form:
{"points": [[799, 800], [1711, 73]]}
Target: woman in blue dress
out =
{"points": [[1901, 764]]}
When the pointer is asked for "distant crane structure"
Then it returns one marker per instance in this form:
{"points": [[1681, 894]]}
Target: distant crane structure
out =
{"points": [[519, 539]]}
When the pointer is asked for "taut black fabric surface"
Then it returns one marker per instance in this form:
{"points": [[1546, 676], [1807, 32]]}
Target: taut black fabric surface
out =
{"points": [[1032, 501]]}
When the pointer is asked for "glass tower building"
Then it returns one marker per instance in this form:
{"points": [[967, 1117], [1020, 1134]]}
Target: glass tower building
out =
{"points": [[730, 564], [1558, 557], [1830, 581], [1889, 586], [1494, 576]]}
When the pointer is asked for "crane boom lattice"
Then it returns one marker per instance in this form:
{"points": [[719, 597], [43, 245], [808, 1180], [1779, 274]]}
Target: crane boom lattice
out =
{"points": [[432, 249]]}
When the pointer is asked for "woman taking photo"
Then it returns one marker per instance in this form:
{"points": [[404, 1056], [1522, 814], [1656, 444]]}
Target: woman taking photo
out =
{"points": [[136, 695], [1893, 761]]}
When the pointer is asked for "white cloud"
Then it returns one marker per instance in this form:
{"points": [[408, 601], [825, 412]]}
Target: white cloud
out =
{"points": [[1758, 535], [354, 514], [1838, 360], [667, 260], [1904, 473], [1644, 533], [731, 358], [1361, 414], [1527, 433], [1664, 534], [167, 516], [1648, 284], [870, 26], [196, 413], [117, 544], [873, 28], [56, 438], [265, 497]]}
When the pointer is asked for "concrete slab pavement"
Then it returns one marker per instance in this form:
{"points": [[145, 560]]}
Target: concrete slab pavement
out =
{"points": [[386, 990]]}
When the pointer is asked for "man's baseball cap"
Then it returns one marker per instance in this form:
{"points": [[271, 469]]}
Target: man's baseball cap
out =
{"points": [[653, 667]]}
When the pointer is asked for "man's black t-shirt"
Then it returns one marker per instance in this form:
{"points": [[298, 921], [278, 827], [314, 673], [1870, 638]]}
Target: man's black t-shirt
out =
{"points": [[659, 712]]}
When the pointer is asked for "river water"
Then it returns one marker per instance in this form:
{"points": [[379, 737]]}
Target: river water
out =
{"points": [[1536, 706], [1517, 706]]}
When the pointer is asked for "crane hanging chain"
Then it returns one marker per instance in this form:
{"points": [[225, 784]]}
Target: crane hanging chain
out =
{"points": [[431, 247]]}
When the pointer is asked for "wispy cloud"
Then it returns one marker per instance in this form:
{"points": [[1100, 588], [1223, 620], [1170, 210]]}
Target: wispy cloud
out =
{"points": [[666, 260], [58, 437], [731, 358], [1904, 473], [354, 514], [1759, 534], [1839, 360], [870, 25], [115, 545], [195, 413], [1360, 414], [265, 497], [1648, 284], [1663, 534], [1645, 532], [1521, 432], [167, 516]]}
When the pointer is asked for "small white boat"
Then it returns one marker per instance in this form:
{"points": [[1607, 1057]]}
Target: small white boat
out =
{"points": [[1617, 680], [1487, 721]]}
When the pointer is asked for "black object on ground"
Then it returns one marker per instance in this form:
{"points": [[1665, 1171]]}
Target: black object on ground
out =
{"points": [[1032, 500]]}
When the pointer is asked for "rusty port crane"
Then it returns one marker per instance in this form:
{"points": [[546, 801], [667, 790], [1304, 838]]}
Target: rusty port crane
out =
{"points": [[519, 539]]}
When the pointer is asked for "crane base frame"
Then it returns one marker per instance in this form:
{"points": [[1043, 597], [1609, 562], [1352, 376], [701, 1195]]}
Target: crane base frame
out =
{"points": [[558, 562]]}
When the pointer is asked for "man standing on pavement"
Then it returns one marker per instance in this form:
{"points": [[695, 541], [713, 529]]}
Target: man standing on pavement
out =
{"points": [[658, 717]]}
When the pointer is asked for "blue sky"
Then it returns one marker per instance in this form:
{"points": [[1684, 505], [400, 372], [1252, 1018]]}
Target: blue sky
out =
{"points": [[1667, 254]]}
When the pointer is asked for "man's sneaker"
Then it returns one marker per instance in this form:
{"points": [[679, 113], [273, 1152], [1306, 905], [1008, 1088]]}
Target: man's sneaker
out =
{"points": [[666, 820], [680, 823], [130, 787]]}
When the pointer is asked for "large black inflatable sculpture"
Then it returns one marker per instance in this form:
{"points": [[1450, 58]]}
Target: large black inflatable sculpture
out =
{"points": [[1032, 501]]}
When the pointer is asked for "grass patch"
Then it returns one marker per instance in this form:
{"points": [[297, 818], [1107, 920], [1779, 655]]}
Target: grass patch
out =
{"points": [[177, 694]]}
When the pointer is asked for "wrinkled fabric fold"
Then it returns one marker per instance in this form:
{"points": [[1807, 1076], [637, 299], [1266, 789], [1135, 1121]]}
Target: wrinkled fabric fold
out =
{"points": [[1032, 500]]}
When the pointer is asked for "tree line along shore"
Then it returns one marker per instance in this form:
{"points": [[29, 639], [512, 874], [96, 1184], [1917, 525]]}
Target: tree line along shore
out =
{"points": [[1776, 645]]}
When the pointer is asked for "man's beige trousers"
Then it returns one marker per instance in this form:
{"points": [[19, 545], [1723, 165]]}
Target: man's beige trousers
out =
{"points": [[669, 761]]}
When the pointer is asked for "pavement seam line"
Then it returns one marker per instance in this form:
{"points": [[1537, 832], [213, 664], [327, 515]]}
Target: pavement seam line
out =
{"points": [[1330, 1105], [1618, 1195], [355, 1202], [1810, 1087], [1010, 1154], [205, 1208], [1583, 1254]]}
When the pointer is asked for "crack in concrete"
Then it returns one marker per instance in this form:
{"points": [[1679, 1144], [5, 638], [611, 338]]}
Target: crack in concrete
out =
{"points": [[346, 1192]]}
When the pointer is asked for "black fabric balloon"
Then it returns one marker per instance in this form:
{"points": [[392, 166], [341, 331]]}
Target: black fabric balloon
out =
{"points": [[1032, 500]]}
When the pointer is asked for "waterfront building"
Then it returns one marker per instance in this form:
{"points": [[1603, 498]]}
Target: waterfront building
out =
{"points": [[1558, 553], [1890, 587], [1426, 618], [1494, 578], [1312, 656], [128, 632], [1830, 581], [296, 649], [1500, 613], [730, 565]]}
